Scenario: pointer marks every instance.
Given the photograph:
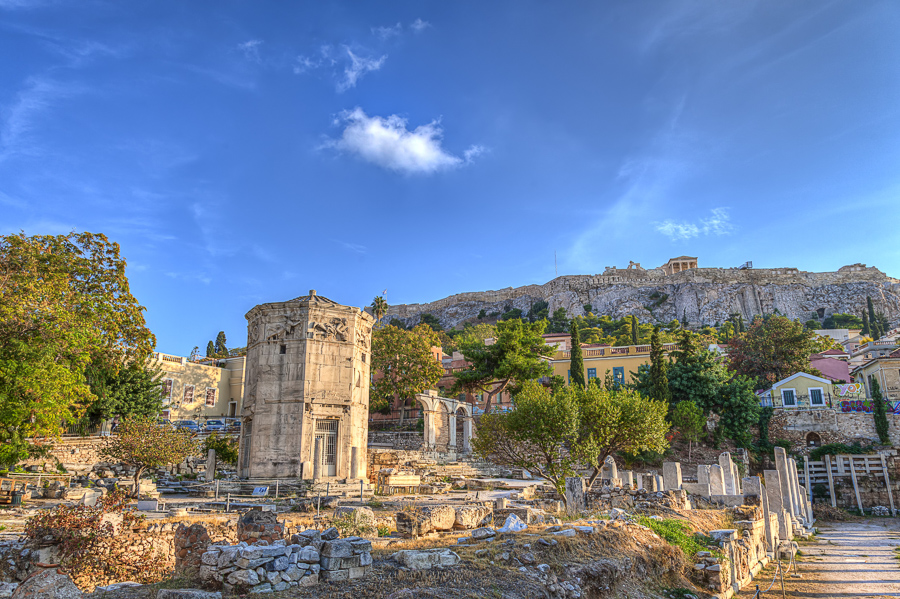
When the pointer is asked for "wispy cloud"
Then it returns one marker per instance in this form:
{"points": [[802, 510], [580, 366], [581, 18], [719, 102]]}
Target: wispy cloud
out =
{"points": [[359, 66], [353, 247], [250, 49], [20, 118], [386, 33], [388, 143], [718, 223], [419, 25], [473, 152]]}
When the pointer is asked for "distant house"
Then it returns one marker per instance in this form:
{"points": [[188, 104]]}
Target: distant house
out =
{"points": [[885, 368], [799, 391], [833, 364]]}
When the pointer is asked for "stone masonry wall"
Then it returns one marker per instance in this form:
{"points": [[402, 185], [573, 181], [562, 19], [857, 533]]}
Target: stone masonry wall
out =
{"points": [[830, 425]]}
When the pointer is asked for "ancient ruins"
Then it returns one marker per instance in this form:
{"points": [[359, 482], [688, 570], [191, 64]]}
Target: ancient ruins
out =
{"points": [[306, 393]]}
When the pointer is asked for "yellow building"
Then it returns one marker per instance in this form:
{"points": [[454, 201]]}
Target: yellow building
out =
{"points": [[620, 362], [201, 390], [800, 391], [886, 369]]}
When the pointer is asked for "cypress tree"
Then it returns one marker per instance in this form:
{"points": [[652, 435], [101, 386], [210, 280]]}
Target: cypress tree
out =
{"points": [[576, 363], [210, 350], [879, 412], [865, 330], [634, 330], [659, 380], [221, 350], [684, 320], [873, 321]]}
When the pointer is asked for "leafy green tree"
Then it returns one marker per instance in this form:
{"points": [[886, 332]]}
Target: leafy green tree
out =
{"points": [[379, 307], [588, 308], [879, 412], [811, 325], [539, 311], [537, 435], [514, 313], [395, 322], [773, 349], [688, 418], [432, 321], [195, 354], [135, 390], [842, 321], [514, 357], [738, 408], [696, 374], [482, 314], [65, 304], [226, 448], [634, 330], [404, 365], [559, 322], [576, 362], [616, 421], [143, 444], [210, 349], [221, 349], [726, 332]]}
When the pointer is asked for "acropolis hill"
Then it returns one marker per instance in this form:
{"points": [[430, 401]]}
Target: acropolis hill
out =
{"points": [[679, 288]]}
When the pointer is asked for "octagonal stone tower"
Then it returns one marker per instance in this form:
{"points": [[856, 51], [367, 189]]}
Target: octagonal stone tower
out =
{"points": [[306, 378]]}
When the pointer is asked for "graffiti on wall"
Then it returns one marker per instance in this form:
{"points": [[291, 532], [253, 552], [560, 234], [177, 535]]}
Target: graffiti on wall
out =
{"points": [[867, 405]]}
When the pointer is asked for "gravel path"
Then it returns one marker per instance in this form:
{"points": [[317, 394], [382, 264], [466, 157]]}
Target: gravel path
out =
{"points": [[851, 560]]}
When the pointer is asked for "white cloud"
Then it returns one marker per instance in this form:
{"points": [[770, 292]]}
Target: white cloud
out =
{"points": [[473, 152], [419, 25], [717, 224], [386, 33], [388, 143], [359, 66], [251, 50], [353, 247], [20, 118]]}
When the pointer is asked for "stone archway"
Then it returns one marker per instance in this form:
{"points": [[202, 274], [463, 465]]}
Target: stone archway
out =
{"points": [[442, 430], [448, 423]]}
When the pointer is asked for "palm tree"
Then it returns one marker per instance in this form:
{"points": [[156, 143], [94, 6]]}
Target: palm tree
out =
{"points": [[379, 307]]}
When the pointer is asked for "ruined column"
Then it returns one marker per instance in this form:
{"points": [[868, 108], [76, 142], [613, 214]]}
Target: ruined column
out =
{"points": [[575, 495], [451, 422], [628, 479], [775, 497], [785, 481], [716, 485], [640, 480], [354, 463], [317, 460], [210, 466], [702, 474], [672, 476], [727, 473], [796, 494], [467, 434]]}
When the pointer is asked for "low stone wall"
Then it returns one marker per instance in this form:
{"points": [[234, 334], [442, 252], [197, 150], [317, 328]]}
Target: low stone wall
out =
{"points": [[405, 440], [832, 426], [260, 568]]}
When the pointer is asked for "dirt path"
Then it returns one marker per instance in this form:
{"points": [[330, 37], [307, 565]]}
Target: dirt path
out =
{"points": [[851, 560]]}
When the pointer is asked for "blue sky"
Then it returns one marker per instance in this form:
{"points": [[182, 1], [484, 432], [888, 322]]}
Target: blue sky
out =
{"points": [[247, 152]]}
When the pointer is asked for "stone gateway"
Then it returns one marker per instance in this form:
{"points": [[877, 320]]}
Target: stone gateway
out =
{"points": [[306, 391]]}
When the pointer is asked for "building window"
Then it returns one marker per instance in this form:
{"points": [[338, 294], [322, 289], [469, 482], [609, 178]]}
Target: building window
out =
{"points": [[788, 398], [592, 373], [619, 375], [282, 349], [816, 396], [167, 390], [188, 397], [211, 396]]}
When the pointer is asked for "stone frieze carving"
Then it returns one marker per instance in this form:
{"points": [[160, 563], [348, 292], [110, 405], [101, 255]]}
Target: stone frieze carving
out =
{"points": [[333, 328]]}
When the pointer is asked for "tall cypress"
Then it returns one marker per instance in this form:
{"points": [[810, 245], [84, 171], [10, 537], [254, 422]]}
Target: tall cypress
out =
{"points": [[576, 362], [684, 320], [865, 330], [634, 330], [221, 350], [210, 350], [659, 380], [879, 412], [873, 321]]}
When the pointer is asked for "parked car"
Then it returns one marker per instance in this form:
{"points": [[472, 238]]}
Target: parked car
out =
{"points": [[190, 425], [164, 422], [233, 425], [214, 426]]}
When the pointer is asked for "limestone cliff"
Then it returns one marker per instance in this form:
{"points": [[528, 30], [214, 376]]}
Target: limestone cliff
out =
{"points": [[704, 295]]}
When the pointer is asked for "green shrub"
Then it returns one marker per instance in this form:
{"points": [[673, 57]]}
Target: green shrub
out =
{"points": [[226, 448], [837, 448], [678, 534]]}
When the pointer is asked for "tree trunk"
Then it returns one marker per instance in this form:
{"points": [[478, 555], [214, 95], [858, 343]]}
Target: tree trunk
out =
{"points": [[137, 482]]}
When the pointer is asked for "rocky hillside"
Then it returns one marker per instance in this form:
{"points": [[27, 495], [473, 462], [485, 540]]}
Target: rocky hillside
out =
{"points": [[702, 295]]}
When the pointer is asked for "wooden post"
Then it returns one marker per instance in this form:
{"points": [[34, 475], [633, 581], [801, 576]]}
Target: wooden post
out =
{"points": [[887, 484], [830, 480], [855, 485]]}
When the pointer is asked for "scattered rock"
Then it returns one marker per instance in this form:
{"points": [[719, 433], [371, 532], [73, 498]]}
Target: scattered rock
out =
{"points": [[48, 584], [425, 559]]}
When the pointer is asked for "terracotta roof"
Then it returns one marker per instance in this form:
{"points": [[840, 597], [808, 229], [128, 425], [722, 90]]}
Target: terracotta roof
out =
{"points": [[894, 354]]}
